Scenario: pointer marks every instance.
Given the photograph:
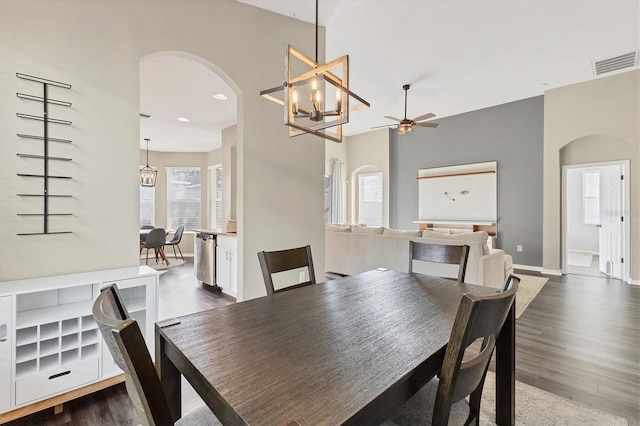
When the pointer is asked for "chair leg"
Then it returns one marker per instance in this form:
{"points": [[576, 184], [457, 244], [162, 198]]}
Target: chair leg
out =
{"points": [[181, 256], [147, 262], [174, 251]]}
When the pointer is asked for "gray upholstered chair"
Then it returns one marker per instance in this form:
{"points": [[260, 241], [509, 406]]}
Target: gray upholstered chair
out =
{"points": [[175, 241], [156, 240], [124, 339], [273, 262], [442, 400], [440, 253]]}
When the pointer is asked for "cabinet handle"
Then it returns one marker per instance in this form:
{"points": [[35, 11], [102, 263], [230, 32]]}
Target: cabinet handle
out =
{"points": [[3, 333], [55, 376]]}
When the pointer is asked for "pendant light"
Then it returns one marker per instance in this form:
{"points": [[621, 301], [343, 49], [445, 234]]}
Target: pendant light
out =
{"points": [[303, 94], [148, 174]]}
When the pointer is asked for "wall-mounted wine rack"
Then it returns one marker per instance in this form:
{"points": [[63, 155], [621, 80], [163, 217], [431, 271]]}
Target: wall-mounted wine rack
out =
{"points": [[45, 157]]}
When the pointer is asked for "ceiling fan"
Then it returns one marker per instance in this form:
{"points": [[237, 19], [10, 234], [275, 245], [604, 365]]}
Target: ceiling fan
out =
{"points": [[405, 125]]}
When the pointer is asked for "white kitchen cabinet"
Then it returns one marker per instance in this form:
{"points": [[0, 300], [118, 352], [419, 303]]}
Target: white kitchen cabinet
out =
{"points": [[227, 264], [49, 341]]}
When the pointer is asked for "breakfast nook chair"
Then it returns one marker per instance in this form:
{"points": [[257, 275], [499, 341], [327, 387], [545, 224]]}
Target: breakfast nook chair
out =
{"points": [[442, 400], [273, 262], [440, 253], [124, 339], [175, 241], [155, 240]]}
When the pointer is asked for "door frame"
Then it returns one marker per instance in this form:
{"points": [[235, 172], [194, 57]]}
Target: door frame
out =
{"points": [[625, 240]]}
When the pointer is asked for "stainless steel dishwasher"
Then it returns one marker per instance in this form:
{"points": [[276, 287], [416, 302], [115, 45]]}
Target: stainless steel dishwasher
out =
{"points": [[206, 258]]}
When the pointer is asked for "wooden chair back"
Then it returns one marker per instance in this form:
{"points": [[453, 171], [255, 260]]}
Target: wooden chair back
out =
{"points": [[124, 339], [478, 317], [273, 262], [440, 253]]}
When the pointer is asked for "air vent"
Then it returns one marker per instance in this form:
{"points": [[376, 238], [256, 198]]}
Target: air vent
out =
{"points": [[146, 116], [615, 63]]}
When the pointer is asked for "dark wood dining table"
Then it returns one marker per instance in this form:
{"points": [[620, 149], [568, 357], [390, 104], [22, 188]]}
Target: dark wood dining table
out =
{"points": [[346, 351]]}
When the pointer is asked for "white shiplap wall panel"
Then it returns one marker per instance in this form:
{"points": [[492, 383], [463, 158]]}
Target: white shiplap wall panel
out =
{"points": [[473, 190]]}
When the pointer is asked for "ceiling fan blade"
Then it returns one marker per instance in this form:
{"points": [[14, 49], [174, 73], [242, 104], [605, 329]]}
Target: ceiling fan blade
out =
{"points": [[386, 125], [392, 118], [429, 124], [424, 117]]}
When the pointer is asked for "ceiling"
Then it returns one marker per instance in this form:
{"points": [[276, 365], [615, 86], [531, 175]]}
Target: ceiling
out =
{"points": [[458, 56]]}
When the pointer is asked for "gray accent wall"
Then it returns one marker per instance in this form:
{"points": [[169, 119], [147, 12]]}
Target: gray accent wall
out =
{"points": [[512, 135]]}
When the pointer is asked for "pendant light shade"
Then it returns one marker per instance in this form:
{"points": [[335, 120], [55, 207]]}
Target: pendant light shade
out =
{"points": [[148, 174]]}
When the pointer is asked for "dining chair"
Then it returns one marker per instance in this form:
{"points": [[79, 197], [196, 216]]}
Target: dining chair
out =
{"points": [[440, 253], [442, 400], [156, 240], [147, 226], [124, 340], [175, 241], [273, 262]]}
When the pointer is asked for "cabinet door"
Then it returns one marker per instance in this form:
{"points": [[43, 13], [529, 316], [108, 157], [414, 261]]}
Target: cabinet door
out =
{"points": [[223, 269], [6, 345], [233, 287]]}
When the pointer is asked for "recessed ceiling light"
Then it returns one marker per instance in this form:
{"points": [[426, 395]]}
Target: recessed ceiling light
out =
{"points": [[220, 96], [183, 119]]}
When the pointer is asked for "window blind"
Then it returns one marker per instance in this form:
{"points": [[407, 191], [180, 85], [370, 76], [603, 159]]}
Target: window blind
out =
{"points": [[183, 197]]}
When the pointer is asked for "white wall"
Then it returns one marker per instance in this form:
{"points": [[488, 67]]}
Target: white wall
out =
{"points": [[368, 149], [590, 122], [96, 46]]}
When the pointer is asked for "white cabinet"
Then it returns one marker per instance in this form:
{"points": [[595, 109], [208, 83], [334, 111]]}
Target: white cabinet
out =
{"points": [[227, 264], [51, 342], [6, 345]]}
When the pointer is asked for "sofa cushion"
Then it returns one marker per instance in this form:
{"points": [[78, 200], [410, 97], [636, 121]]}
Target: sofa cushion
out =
{"points": [[478, 236], [367, 230], [409, 233], [337, 228]]}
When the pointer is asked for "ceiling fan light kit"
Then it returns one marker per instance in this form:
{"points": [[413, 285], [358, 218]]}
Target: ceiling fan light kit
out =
{"points": [[311, 84], [405, 125]]}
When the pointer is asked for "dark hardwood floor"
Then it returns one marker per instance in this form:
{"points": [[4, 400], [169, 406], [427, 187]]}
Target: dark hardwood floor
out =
{"points": [[579, 338]]}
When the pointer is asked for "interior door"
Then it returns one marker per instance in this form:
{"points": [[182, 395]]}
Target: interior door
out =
{"points": [[611, 221]]}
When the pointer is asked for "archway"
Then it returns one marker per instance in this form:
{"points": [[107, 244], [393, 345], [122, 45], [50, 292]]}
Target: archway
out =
{"points": [[595, 201], [189, 110]]}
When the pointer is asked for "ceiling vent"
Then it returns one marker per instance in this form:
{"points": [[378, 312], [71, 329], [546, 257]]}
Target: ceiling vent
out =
{"points": [[615, 63]]}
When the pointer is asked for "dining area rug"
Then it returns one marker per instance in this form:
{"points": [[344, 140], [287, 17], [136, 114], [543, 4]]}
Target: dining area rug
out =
{"points": [[161, 266], [536, 407], [528, 289]]}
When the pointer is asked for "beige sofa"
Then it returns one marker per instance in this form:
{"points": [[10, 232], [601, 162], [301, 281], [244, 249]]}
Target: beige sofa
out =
{"points": [[351, 250]]}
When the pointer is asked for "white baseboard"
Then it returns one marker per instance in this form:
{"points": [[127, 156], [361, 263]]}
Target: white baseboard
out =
{"points": [[633, 282]]}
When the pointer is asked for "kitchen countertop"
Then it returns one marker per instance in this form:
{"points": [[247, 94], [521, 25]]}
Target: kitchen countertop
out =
{"points": [[214, 232]]}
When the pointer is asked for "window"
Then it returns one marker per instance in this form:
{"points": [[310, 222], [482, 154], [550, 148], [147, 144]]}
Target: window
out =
{"points": [[370, 199], [183, 197], [591, 197], [147, 205], [215, 197]]}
